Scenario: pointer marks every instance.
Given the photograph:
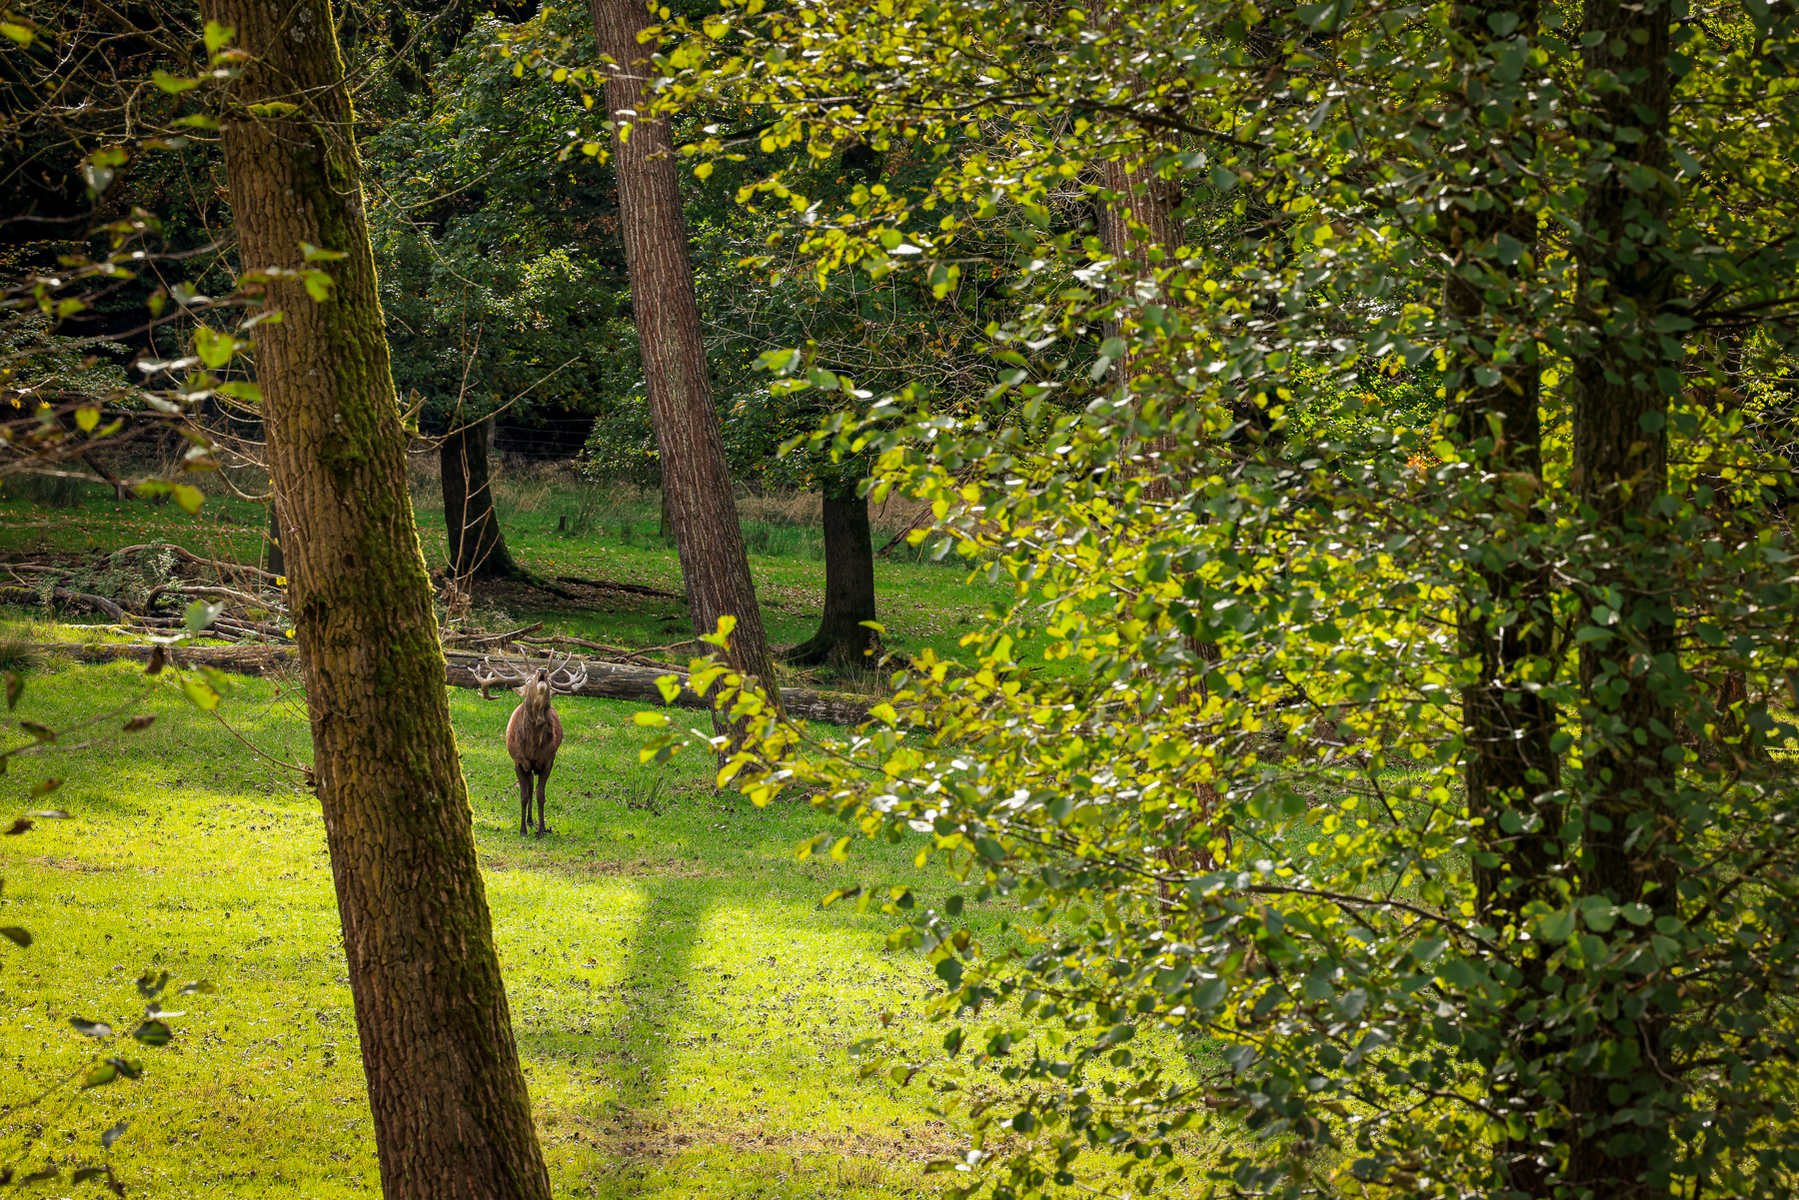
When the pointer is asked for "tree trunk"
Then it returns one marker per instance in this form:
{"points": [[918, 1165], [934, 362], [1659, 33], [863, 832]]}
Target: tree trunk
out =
{"points": [[1620, 473], [451, 1113], [273, 561], [695, 480], [1506, 620], [849, 586], [477, 547]]}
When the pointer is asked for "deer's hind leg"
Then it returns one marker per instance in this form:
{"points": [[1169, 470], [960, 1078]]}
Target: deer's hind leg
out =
{"points": [[524, 799]]}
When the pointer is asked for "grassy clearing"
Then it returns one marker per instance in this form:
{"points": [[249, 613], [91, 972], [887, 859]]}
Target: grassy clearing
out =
{"points": [[682, 1005], [555, 525]]}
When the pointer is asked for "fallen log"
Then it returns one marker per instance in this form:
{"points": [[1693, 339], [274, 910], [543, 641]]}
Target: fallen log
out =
{"points": [[608, 585], [19, 595], [188, 556], [605, 681]]}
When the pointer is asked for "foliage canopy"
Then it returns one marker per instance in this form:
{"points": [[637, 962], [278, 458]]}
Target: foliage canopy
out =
{"points": [[1430, 778]]}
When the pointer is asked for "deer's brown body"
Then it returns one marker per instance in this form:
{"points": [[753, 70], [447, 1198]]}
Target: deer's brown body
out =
{"points": [[534, 733]]}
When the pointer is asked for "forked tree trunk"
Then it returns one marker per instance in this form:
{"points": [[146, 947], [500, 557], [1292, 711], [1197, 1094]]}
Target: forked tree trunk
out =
{"points": [[695, 480], [477, 545], [849, 586], [451, 1113], [1621, 472]]}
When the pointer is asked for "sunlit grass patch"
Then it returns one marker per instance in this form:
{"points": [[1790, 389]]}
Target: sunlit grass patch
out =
{"points": [[683, 1007]]}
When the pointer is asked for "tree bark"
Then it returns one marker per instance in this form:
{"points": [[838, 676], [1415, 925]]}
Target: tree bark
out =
{"points": [[695, 479], [849, 586], [273, 560], [1506, 620], [477, 545], [1620, 473], [451, 1113]]}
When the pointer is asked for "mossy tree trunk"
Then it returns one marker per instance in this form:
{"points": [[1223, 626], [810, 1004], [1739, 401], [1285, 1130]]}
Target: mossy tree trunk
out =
{"points": [[451, 1113], [477, 544], [849, 585], [695, 479]]}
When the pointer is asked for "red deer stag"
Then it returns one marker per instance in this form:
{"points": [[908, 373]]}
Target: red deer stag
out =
{"points": [[534, 733]]}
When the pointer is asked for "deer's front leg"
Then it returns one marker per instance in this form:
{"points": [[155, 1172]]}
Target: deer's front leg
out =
{"points": [[524, 799], [543, 783]]}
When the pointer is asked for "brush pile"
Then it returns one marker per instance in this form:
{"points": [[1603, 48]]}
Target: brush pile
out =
{"points": [[148, 588]]}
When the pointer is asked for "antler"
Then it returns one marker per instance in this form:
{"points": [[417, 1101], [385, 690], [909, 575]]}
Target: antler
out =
{"points": [[564, 680], [486, 675]]}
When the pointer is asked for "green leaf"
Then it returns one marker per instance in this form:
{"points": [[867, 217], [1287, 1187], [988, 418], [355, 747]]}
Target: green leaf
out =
{"points": [[214, 348], [200, 693], [153, 1033], [19, 34], [16, 935], [189, 497], [44, 787], [112, 1135], [110, 1070], [93, 1029], [172, 85], [218, 36], [221, 683], [201, 988], [43, 733], [15, 687], [1557, 926], [200, 615]]}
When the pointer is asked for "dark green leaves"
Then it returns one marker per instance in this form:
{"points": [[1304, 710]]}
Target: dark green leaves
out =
{"points": [[110, 1070]]}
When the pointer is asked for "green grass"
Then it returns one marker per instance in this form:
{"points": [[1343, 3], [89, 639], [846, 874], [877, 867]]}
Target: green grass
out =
{"points": [[682, 1005]]}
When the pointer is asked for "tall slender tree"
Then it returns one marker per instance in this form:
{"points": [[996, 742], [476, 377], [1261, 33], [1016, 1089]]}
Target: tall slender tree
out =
{"points": [[1630, 687], [451, 1112], [695, 478], [1506, 623]]}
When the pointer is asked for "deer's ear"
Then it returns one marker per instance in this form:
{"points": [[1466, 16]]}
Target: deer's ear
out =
{"points": [[519, 690]]}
